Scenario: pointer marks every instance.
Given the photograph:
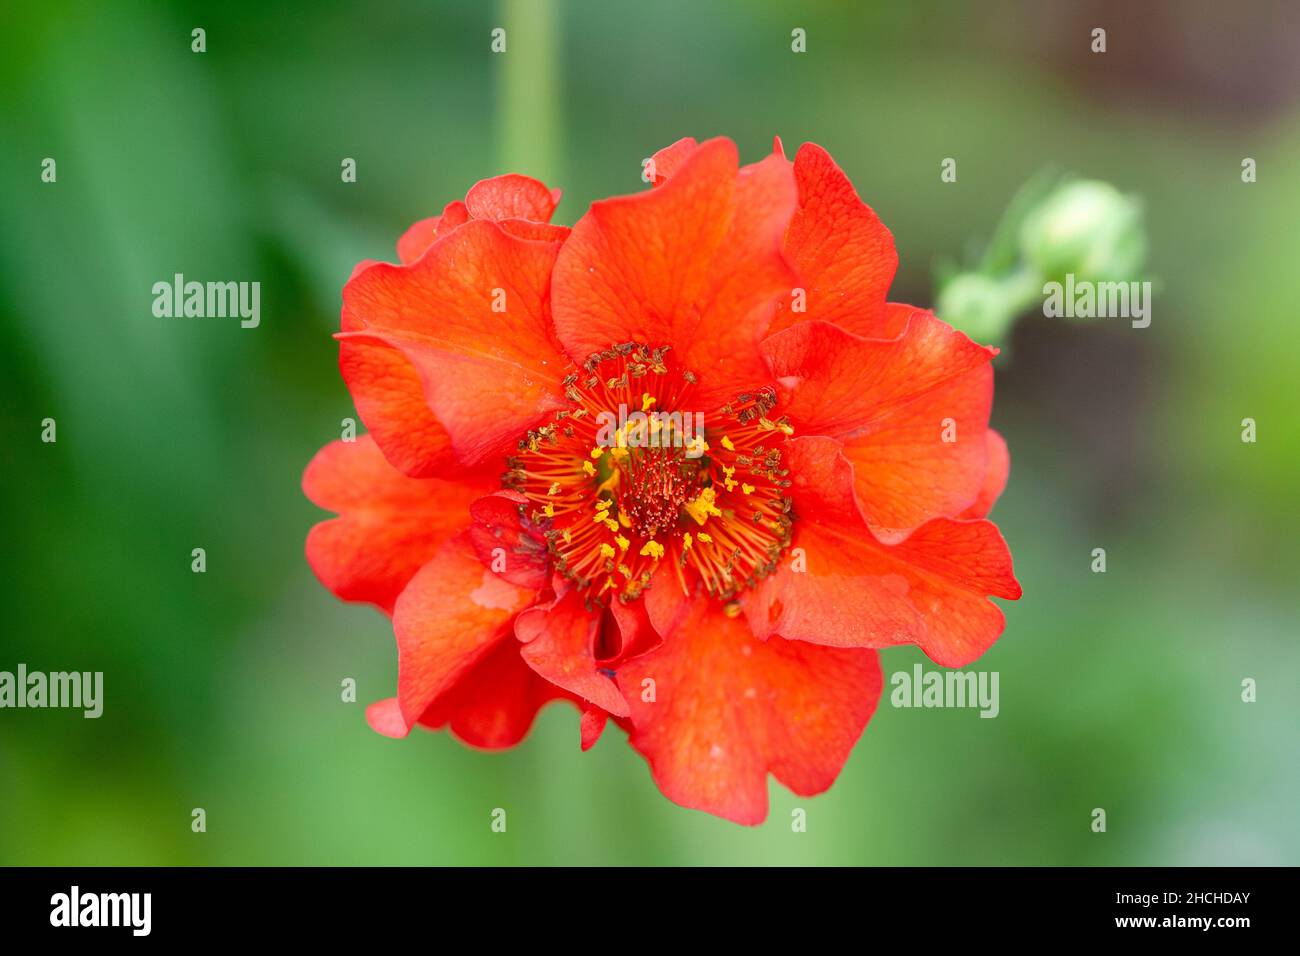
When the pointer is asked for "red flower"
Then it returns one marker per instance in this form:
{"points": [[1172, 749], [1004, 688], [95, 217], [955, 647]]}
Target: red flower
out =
{"points": [[720, 594]]}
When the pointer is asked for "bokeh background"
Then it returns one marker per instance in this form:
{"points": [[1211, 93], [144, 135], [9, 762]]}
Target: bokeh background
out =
{"points": [[1119, 690]]}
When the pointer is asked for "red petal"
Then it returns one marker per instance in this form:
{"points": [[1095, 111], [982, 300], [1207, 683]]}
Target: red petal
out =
{"points": [[362, 266], [665, 601], [494, 704], [592, 726], [540, 231], [499, 522], [487, 375], [633, 630], [510, 197], [843, 253], [416, 239], [669, 159], [694, 264], [749, 276], [995, 476], [889, 400], [559, 642], [454, 214], [728, 709], [385, 717], [931, 589], [386, 390], [389, 524], [450, 615]]}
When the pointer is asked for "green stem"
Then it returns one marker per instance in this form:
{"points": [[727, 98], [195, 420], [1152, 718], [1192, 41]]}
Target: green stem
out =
{"points": [[1024, 288], [529, 107]]}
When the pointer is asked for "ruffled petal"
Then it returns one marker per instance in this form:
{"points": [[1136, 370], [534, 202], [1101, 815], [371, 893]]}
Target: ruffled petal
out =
{"points": [[454, 214], [386, 390], [665, 601], [694, 264], [447, 619], [389, 525], [559, 644], [591, 726], [494, 705], [843, 253], [995, 476], [727, 709], [511, 197], [472, 318], [413, 242], [669, 159], [840, 586], [911, 411], [537, 231], [506, 540], [631, 634]]}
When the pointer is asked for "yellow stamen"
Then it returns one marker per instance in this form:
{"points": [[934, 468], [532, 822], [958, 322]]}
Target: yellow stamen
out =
{"points": [[703, 507], [768, 426]]}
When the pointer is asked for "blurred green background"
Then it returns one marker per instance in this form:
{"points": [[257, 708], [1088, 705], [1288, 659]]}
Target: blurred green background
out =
{"points": [[1119, 690]]}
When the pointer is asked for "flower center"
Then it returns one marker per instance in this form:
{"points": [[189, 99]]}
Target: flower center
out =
{"points": [[630, 478]]}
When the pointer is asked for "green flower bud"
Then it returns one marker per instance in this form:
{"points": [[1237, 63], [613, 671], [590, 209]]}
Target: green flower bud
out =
{"points": [[978, 305], [1085, 228]]}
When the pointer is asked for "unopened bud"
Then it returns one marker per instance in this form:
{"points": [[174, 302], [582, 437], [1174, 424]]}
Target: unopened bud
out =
{"points": [[1085, 228]]}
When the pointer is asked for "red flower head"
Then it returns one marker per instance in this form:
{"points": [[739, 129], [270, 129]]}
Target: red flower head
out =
{"points": [[683, 465]]}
